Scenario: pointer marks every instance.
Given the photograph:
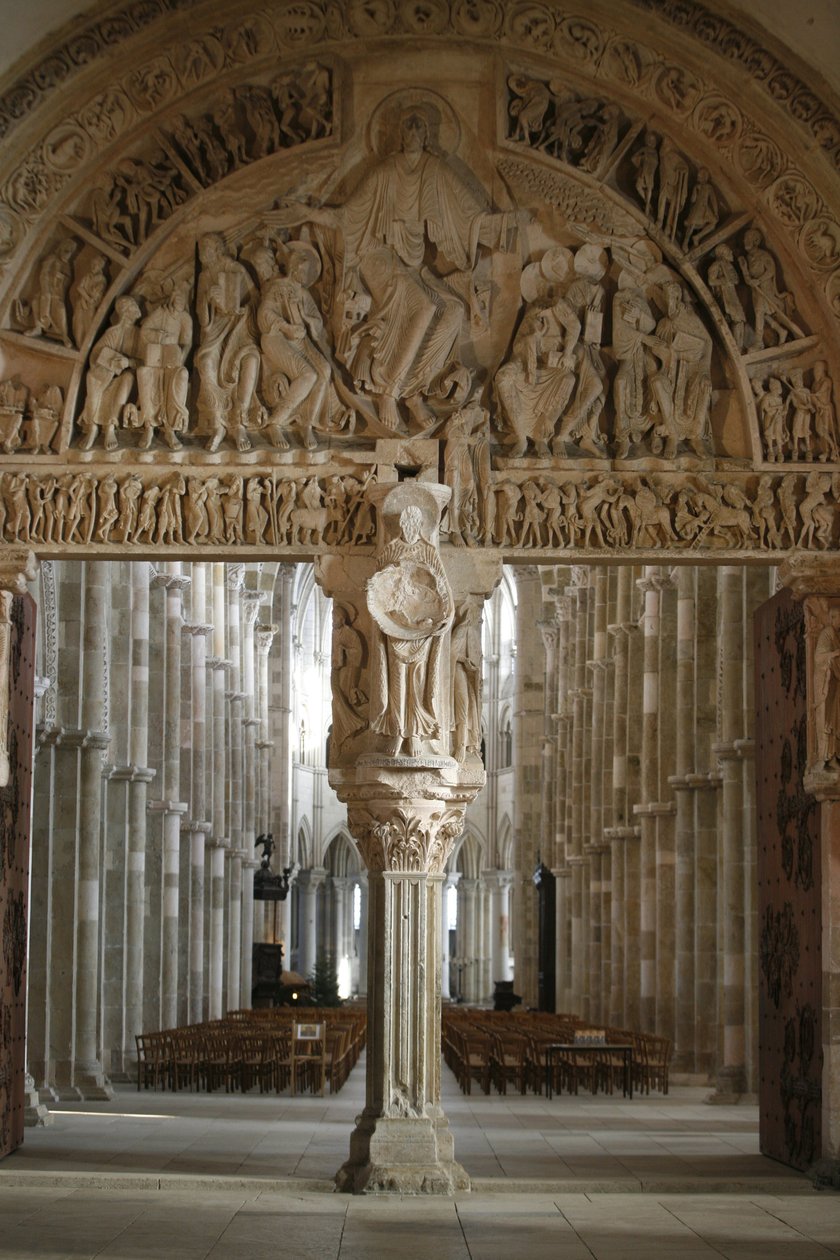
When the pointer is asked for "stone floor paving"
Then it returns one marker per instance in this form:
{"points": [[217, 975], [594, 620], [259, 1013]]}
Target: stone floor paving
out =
{"points": [[216, 1177]]}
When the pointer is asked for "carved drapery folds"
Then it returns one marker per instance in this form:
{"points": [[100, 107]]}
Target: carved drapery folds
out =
{"points": [[583, 303]]}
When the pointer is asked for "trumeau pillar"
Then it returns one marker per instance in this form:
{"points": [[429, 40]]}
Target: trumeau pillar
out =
{"points": [[818, 586], [406, 663]]}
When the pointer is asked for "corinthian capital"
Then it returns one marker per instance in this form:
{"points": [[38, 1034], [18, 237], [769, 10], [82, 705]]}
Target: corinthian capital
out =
{"points": [[417, 839]]}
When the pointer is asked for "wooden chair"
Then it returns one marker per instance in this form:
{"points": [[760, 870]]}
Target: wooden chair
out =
{"points": [[309, 1057], [510, 1061]]}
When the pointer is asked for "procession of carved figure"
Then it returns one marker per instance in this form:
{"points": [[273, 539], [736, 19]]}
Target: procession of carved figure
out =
{"points": [[601, 511], [796, 415], [410, 601]]}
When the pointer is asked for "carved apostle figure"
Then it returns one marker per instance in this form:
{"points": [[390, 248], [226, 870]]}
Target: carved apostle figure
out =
{"points": [[296, 367], [110, 377], [410, 600], [683, 387], [49, 306], [827, 691], [412, 234], [163, 381], [227, 359]]}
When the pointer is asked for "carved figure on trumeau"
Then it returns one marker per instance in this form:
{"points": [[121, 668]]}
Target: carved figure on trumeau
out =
{"points": [[414, 233], [47, 315], [349, 701], [227, 359], [466, 680], [166, 335], [86, 297], [110, 379], [410, 601]]}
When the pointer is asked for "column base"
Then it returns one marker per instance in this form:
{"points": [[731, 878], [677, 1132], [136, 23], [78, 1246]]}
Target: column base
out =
{"points": [[731, 1087], [93, 1085], [825, 1173], [395, 1155], [35, 1114]]}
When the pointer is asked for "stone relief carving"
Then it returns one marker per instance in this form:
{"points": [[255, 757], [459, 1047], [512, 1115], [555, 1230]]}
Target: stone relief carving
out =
{"points": [[822, 620], [797, 416], [251, 122], [140, 194], [414, 234], [349, 700], [410, 601], [466, 680], [197, 510]]}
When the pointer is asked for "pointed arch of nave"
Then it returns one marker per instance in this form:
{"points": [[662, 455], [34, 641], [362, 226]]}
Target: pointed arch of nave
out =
{"points": [[625, 157]]}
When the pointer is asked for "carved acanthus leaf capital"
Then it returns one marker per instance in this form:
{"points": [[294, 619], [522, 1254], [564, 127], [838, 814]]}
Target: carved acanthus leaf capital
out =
{"points": [[264, 635], [416, 841]]}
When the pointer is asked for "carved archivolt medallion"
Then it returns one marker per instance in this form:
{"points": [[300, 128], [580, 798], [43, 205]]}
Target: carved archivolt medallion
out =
{"points": [[557, 271]]}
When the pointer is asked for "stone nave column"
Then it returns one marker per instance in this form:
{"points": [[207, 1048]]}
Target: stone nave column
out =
{"points": [[732, 1074], [138, 787], [251, 601], [529, 717], [170, 804], [88, 1076], [498, 884], [235, 698], [649, 793], [620, 833], [220, 841], [451, 881], [199, 825], [309, 882], [682, 782], [264, 636], [391, 760]]}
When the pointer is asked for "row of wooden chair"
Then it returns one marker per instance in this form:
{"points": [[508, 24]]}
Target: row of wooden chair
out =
{"points": [[501, 1049], [235, 1054]]}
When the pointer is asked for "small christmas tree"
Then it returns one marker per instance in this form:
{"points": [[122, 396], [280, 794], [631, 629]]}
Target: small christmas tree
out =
{"points": [[324, 982]]}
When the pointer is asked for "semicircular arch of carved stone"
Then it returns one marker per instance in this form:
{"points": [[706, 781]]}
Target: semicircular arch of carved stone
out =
{"points": [[603, 307]]}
